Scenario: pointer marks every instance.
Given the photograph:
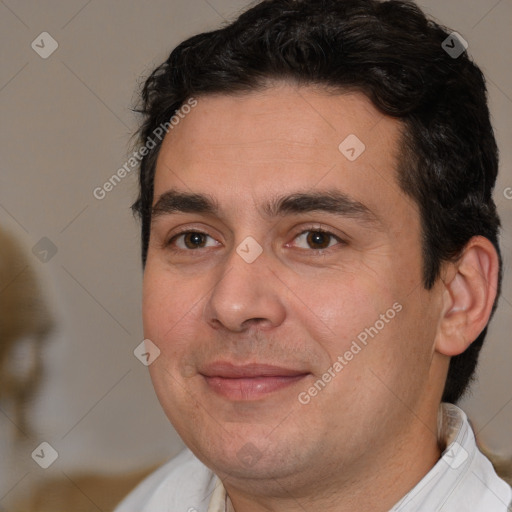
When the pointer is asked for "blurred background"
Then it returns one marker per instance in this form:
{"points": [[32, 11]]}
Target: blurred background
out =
{"points": [[70, 260]]}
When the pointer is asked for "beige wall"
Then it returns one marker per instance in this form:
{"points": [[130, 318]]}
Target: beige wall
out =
{"points": [[66, 127]]}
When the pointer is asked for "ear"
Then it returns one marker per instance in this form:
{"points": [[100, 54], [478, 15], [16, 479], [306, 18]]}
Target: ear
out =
{"points": [[470, 289]]}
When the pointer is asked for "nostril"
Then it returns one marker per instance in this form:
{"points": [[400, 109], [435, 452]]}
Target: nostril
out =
{"points": [[257, 322]]}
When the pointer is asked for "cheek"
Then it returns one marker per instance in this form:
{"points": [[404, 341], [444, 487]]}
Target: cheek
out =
{"points": [[399, 356], [347, 302], [173, 319], [371, 319], [169, 309], [167, 303], [169, 313]]}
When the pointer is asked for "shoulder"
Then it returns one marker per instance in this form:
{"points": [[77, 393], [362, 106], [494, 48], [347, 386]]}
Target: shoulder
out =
{"points": [[483, 489], [181, 484]]}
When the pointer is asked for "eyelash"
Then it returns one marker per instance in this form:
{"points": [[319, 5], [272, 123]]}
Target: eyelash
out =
{"points": [[172, 240], [323, 232], [170, 243]]}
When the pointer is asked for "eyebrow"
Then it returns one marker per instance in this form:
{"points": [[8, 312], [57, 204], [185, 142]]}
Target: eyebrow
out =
{"points": [[334, 202], [174, 201]]}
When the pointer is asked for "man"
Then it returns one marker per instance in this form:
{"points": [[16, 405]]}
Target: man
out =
{"points": [[320, 262]]}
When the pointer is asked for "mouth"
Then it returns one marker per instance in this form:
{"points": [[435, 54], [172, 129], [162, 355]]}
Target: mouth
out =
{"points": [[249, 382]]}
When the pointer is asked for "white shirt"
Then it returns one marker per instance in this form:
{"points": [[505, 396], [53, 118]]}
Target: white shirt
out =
{"points": [[463, 480]]}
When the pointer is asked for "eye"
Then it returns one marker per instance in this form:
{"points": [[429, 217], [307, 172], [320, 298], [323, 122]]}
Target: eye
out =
{"points": [[316, 239], [191, 240]]}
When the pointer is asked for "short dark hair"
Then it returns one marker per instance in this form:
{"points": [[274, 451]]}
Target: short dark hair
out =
{"points": [[391, 52]]}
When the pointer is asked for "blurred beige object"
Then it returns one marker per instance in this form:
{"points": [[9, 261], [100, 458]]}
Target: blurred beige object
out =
{"points": [[502, 465], [81, 493], [25, 323]]}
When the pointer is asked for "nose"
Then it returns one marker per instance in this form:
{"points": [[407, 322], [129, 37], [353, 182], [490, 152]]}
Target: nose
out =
{"points": [[247, 296]]}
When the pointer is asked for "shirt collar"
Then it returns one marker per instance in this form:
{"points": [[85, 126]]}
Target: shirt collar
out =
{"points": [[457, 439], [220, 501]]}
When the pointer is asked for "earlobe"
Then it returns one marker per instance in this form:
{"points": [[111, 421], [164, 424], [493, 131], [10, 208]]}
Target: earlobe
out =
{"points": [[470, 288]]}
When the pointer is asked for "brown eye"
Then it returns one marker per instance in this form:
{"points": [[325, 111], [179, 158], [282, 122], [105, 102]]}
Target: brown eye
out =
{"points": [[194, 240], [318, 239]]}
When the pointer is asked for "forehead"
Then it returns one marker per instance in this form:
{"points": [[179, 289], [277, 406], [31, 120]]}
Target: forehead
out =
{"points": [[283, 138]]}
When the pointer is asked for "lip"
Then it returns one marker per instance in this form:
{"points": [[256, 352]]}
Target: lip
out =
{"points": [[250, 381]]}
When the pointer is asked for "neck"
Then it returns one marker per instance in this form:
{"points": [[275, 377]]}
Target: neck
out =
{"points": [[374, 483]]}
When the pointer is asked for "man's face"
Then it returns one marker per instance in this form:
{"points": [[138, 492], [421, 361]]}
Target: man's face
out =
{"points": [[274, 254]]}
